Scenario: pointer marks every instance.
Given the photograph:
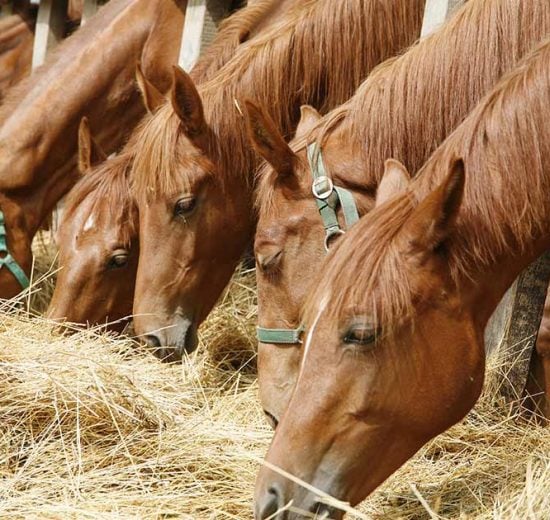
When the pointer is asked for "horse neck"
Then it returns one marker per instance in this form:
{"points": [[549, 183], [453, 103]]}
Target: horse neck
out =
{"points": [[38, 134], [409, 105], [504, 220]]}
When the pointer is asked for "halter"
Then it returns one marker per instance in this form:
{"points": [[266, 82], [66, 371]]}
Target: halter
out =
{"points": [[6, 259], [328, 197]]}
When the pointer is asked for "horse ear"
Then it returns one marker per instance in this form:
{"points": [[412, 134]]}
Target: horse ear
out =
{"points": [[187, 104], [89, 152], [309, 117], [394, 181], [433, 219], [267, 140], [152, 97]]}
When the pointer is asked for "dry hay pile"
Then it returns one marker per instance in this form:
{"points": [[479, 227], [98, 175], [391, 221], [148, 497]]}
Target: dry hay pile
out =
{"points": [[94, 427]]}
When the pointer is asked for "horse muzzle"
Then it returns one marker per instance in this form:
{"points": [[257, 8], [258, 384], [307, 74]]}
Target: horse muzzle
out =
{"points": [[278, 499], [171, 342]]}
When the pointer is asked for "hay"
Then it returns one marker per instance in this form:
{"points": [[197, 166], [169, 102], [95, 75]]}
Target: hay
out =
{"points": [[95, 427]]}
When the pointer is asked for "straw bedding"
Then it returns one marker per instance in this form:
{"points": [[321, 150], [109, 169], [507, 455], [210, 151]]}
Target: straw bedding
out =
{"points": [[94, 427]]}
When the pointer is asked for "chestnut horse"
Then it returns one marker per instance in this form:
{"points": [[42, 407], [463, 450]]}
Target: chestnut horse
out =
{"points": [[40, 116], [404, 109], [395, 353], [193, 172], [98, 242]]}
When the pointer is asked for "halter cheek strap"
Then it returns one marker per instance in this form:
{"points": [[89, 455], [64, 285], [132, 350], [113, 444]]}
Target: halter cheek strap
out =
{"points": [[328, 197], [7, 260]]}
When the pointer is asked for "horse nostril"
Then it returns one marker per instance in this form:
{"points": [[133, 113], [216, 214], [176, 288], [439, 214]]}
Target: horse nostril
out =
{"points": [[151, 340], [272, 503], [323, 511]]}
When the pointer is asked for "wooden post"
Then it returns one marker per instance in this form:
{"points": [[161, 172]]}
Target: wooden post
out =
{"points": [[436, 12], [522, 309], [199, 29], [89, 8], [49, 31], [50, 28]]}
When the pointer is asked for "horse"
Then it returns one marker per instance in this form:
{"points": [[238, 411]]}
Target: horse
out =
{"points": [[405, 109], [107, 271], [99, 262], [193, 174], [40, 116], [394, 353]]}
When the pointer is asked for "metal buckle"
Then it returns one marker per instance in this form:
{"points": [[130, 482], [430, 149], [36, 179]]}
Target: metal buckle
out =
{"points": [[322, 187], [330, 237]]}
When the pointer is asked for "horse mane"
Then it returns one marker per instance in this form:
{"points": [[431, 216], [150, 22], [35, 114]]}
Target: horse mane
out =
{"points": [[110, 182], [410, 103], [232, 32], [319, 41], [64, 54], [505, 145]]}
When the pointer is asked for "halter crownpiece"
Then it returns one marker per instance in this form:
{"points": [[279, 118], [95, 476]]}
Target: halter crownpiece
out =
{"points": [[328, 198], [6, 259]]}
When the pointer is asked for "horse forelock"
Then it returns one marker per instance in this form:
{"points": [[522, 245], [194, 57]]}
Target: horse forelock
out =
{"points": [[106, 189], [370, 252]]}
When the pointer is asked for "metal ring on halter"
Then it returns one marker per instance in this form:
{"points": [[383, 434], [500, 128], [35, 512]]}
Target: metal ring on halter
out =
{"points": [[322, 187], [330, 236]]}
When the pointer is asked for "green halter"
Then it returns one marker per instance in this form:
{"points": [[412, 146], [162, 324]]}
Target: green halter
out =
{"points": [[328, 197], [7, 260]]}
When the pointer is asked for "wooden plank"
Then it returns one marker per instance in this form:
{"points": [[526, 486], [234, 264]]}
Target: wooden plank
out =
{"points": [[199, 29], [89, 8], [523, 308], [50, 28], [436, 12], [191, 39]]}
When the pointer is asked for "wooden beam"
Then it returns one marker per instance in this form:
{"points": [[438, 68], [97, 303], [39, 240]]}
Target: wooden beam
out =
{"points": [[436, 12], [89, 8], [50, 28], [191, 39], [523, 307], [199, 29]]}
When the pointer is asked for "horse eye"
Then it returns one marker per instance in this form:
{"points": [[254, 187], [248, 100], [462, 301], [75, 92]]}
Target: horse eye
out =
{"points": [[361, 335], [185, 206], [118, 259]]}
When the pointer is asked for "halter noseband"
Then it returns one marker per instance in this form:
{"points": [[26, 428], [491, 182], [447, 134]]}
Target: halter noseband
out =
{"points": [[6, 259], [328, 197]]}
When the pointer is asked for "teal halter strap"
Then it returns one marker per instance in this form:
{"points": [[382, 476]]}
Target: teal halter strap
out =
{"points": [[7, 260], [279, 336], [328, 197]]}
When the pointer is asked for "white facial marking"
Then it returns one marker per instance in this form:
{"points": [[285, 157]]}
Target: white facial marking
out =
{"points": [[307, 345], [89, 224]]}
